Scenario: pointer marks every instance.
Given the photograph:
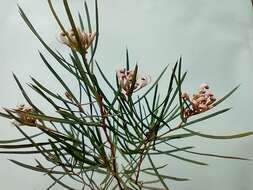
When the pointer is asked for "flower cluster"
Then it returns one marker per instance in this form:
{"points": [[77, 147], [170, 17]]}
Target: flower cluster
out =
{"points": [[22, 112], [126, 80], [70, 39], [200, 102]]}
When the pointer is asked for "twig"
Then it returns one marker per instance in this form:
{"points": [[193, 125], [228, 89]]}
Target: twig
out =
{"points": [[112, 147]]}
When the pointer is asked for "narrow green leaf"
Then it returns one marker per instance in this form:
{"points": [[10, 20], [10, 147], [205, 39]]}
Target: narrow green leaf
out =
{"points": [[226, 96], [133, 81], [25, 94], [25, 152], [205, 117], [153, 85], [161, 139], [170, 151], [58, 77], [55, 16], [55, 182], [187, 160], [127, 60], [81, 22], [166, 99], [217, 155], [59, 59], [5, 115], [55, 179], [19, 140], [39, 85], [220, 137], [79, 157], [104, 77], [152, 188], [160, 177], [97, 31], [37, 169], [17, 146], [167, 177]]}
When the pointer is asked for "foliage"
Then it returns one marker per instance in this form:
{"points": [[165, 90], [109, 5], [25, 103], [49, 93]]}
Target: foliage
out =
{"points": [[102, 141]]}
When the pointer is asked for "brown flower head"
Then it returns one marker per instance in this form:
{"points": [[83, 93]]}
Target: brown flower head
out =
{"points": [[22, 113], [126, 77], [199, 102], [68, 38]]}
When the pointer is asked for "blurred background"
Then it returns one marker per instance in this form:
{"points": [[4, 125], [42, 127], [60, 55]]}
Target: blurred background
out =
{"points": [[215, 39]]}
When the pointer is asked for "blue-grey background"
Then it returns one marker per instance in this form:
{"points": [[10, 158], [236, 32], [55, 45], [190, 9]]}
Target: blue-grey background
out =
{"points": [[215, 39]]}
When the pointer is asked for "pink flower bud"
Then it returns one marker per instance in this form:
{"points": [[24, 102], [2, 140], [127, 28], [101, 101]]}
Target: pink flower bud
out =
{"points": [[204, 86]]}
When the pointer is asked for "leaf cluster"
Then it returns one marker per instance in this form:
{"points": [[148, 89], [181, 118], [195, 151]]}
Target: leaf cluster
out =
{"points": [[101, 140]]}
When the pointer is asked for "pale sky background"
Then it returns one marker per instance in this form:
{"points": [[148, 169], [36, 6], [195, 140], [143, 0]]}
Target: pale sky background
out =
{"points": [[215, 38]]}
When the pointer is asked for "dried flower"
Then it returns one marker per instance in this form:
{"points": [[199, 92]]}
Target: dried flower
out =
{"points": [[22, 113], [200, 102], [68, 38], [126, 77]]}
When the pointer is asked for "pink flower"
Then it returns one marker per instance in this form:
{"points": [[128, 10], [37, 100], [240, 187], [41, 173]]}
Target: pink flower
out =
{"points": [[199, 102], [125, 78], [68, 38]]}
